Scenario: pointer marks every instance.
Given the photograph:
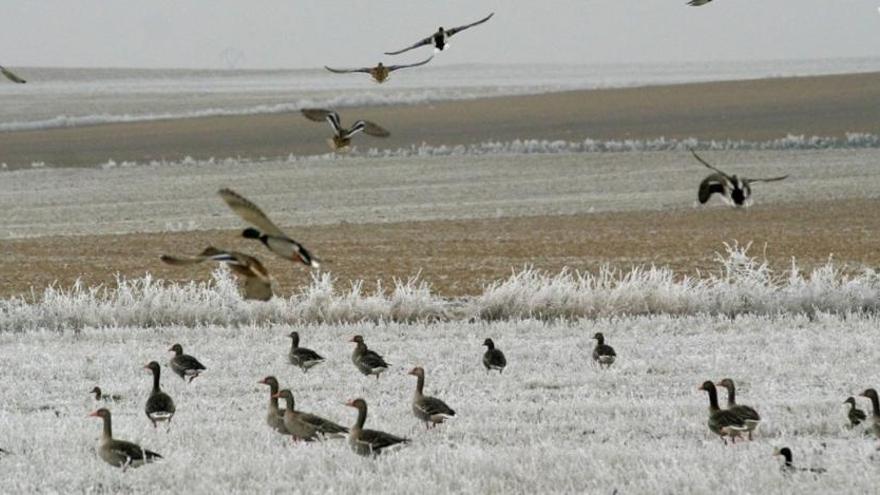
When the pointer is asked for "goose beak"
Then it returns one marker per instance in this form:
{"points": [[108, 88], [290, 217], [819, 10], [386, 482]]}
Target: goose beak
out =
{"points": [[93, 413], [276, 395], [776, 451], [350, 403]]}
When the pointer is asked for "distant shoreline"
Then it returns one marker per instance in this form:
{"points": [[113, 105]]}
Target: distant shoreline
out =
{"points": [[754, 109]]}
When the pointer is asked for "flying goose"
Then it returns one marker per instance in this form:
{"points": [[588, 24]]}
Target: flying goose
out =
{"points": [[120, 453], [855, 415], [749, 415], [722, 422], [603, 354], [185, 365], [341, 139], [493, 359], [875, 407], [269, 234], [256, 284], [367, 362], [431, 410], [275, 416], [101, 396], [697, 3], [159, 406], [735, 191], [305, 426], [789, 467], [12, 77], [300, 356], [380, 72], [369, 442], [440, 39]]}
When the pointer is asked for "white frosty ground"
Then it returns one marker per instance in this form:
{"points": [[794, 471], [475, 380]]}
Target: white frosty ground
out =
{"points": [[550, 423]]}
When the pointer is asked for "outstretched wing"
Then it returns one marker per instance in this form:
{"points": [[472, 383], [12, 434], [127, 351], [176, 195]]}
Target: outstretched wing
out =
{"points": [[423, 62], [704, 162], [427, 41], [369, 128], [347, 71], [249, 212], [771, 179], [12, 77], [322, 115], [715, 183], [697, 3], [182, 260], [450, 32]]}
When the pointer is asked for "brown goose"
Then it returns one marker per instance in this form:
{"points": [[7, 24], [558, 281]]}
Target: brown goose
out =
{"points": [[789, 467], [101, 396], [160, 406], [367, 362], [381, 72], [341, 139], [603, 354], [855, 415], [120, 453], [185, 365], [875, 415], [256, 283], [724, 423], [305, 426], [275, 416], [300, 356], [269, 234], [493, 359], [440, 39], [369, 442], [431, 410], [751, 417]]}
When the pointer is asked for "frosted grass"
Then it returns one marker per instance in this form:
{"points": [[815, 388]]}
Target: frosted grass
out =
{"points": [[743, 285]]}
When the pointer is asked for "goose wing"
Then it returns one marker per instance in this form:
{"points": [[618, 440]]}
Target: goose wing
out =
{"points": [[373, 360], [450, 32], [306, 354], [132, 451], [715, 183], [249, 212], [12, 77], [323, 115], [432, 405], [392, 68], [348, 71], [697, 3], [704, 162], [427, 41], [378, 440], [771, 179], [324, 426], [369, 128]]}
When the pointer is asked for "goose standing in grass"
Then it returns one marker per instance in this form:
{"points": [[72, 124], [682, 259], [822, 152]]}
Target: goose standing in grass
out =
{"points": [[381, 72], [305, 426], [751, 417], [12, 77], [160, 406], [697, 3], [735, 191], [440, 39], [102, 397], [185, 365], [493, 359], [256, 284], [431, 410], [120, 453], [603, 354], [367, 362], [275, 416], [722, 422], [855, 415], [789, 467], [369, 442], [301, 356], [875, 406], [269, 234], [341, 139]]}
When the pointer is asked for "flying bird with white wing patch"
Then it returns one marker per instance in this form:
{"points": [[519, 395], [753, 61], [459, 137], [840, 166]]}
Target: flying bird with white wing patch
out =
{"points": [[341, 139]]}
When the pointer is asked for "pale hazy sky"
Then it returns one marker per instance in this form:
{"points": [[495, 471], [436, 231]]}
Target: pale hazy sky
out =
{"points": [[309, 33]]}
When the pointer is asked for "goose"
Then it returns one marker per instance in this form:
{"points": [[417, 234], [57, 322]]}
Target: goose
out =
{"points": [[256, 284], [431, 410], [789, 467], [603, 354], [185, 365], [735, 191], [724, 423], [269, 234], [440, 39], [159, 406], [275, 416], [120, 453], [305, 426], [367, 362], [875, 415], [369, 442], [301, 356], [341, 139], [751, 417], [493, 359], [855, 415], [101, 396], [12, 77], [697, 3], [381, 72]]}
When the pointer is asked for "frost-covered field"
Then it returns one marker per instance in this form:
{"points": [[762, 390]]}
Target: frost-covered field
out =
{"points": [[551, 423]]}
